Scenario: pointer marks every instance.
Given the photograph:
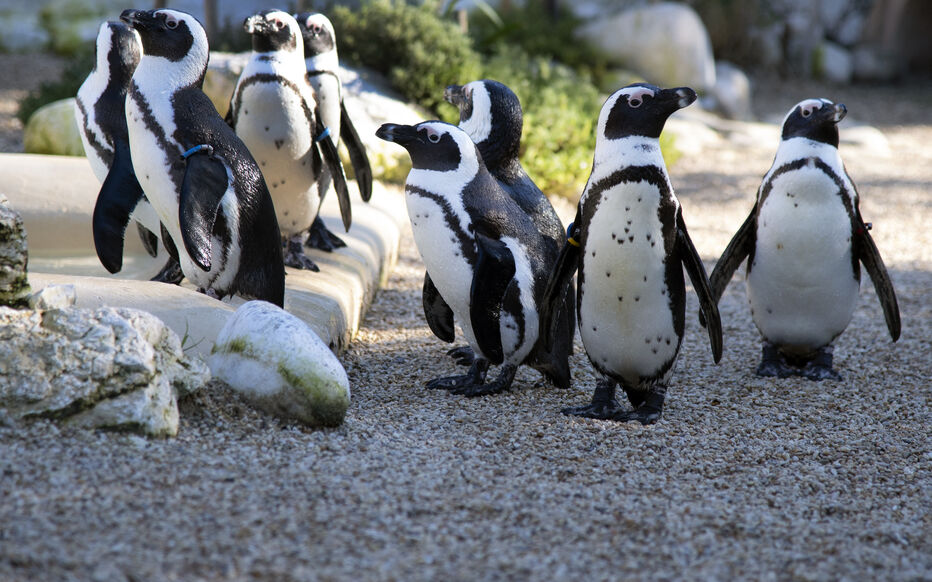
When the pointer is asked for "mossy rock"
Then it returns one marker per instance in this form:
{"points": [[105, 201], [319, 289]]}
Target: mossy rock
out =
{"points": [[52, 129]]}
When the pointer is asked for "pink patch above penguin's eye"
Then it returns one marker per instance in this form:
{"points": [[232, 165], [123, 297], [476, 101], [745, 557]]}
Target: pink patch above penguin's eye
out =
{"points": [[432, 135], [278, 23]]}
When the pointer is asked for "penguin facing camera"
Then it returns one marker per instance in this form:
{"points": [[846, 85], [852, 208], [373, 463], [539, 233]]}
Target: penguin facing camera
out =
{"points": [[484, 255], [275, 112], [804, 241], [199, 177], [630, 244], [100, 114], [323, 67], [491, 114]]}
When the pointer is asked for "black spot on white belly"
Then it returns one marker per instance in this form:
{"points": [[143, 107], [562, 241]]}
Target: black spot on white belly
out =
{"points": [[279, 143], [266, 128]]}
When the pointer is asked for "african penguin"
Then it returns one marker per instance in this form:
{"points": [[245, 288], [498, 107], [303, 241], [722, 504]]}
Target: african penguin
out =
{"points": [[99, 111], [491, 114], [630, 243], [323, 68], [804, 240], [275, 112], [484, 254], [201, 179]]}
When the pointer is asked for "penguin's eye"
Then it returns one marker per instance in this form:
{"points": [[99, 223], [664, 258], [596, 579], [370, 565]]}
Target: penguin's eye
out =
{"points": [[171, 23], [433, 137], [806, 112], [635, 102], [315, 29], [278, 24]]}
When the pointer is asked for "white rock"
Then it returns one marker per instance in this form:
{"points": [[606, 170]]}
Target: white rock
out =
{"points": [[870, 64], [14, 285], [52, 129], [667, 43], [731, 95], [53, 297], [850, 30], [281, 366], [105, 368], [835, 63]]}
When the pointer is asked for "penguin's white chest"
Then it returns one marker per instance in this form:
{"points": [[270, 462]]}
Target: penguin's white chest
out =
{"points": [[625, 318], [88, 95], [151, 163], [274, 126], [327, 90], [442, 253], [801, 285]]}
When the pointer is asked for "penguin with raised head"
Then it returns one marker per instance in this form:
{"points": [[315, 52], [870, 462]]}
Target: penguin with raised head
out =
{"points": [[323, 72], [274, 110], [483, 252], [804, 241], [491, 114], [630, 243], [100, 114], [199, 177]]}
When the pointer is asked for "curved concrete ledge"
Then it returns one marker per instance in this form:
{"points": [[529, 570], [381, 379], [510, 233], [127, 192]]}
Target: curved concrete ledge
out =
{"points": [[55, 195]]}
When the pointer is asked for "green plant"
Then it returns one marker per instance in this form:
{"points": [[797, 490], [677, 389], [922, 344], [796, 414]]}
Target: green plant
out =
{"points": [[419, 53]]}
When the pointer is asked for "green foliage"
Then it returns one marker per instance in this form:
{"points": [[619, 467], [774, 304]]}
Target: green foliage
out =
{"points": [[418, 52], [76, 70], [561, 110]]}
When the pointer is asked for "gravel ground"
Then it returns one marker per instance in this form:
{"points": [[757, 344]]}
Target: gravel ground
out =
{"points": [[744, 478]]}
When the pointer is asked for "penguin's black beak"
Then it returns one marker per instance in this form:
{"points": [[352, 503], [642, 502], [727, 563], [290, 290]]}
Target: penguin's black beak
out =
{"points": [[255, 24], [399, 134], [454, 95], [838, 112], [138, 19], [678, 97]]}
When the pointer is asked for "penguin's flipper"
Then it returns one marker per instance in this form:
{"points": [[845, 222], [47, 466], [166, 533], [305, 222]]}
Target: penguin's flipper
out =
{"points": [[495, 269], [707, 301], [357, 153], [204, 184], [332, 158], [557, 286], [168, 243], [150, 241], [741, 245], [866, 251], [118, 196], [438, 313]]}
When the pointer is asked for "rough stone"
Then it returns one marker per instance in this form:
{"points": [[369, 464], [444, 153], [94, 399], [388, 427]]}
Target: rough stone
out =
{"points": [[53, 130], [53, 297], [280, 365], [666, 42], [14, 256], [108, 368], [834, 63], [731, 95]]}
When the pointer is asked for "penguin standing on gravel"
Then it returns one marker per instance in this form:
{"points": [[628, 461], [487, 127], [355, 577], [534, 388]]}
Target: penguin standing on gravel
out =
{"points": [[491, 114], [202, 181], [483, 252], [630, 243], [323, 73], [804, 240], [275, 112], [100, 114]]}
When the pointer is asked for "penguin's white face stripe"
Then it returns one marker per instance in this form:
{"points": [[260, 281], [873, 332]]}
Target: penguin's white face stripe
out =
{"points": [[479, 124], [322, 21], [160, 74], [88, 94], [279, 20], [807, 107], [449, 183], [635, 96]]}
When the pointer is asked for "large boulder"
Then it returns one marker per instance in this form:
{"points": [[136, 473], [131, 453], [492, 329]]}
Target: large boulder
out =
{"points": [[14, 284], [731, 95], [108, 368], [280, 365], [666, 43], [53, 130]]}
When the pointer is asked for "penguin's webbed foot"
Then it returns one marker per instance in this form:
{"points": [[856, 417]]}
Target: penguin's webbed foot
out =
{"points": [[320, 237], [500, 384], [452, 383], [820, 367], [463, 355], [171, 273], [603, 405], [648, 412], [773, 364], [295, 257]]}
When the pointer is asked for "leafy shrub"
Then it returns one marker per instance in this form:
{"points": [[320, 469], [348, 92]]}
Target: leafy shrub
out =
{"points": [[419, 53]]}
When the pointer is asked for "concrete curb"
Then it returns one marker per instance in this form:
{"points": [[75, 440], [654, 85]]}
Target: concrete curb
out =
{"points": [[55, 196]]}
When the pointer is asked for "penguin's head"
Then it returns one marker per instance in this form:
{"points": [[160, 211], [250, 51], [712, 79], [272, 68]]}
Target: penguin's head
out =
{"points": [[118, 49], [273, 30], [317, 30], [815, 119], [484, 106], [432, 145], [641, 109], [170, 34]]}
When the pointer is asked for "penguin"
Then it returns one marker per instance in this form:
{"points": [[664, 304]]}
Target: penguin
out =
{"points": [[484, 254], [491, 114], [804, 241], [99, 112], [274, 110], [630, 244], [320, 58], [206, 188]]}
